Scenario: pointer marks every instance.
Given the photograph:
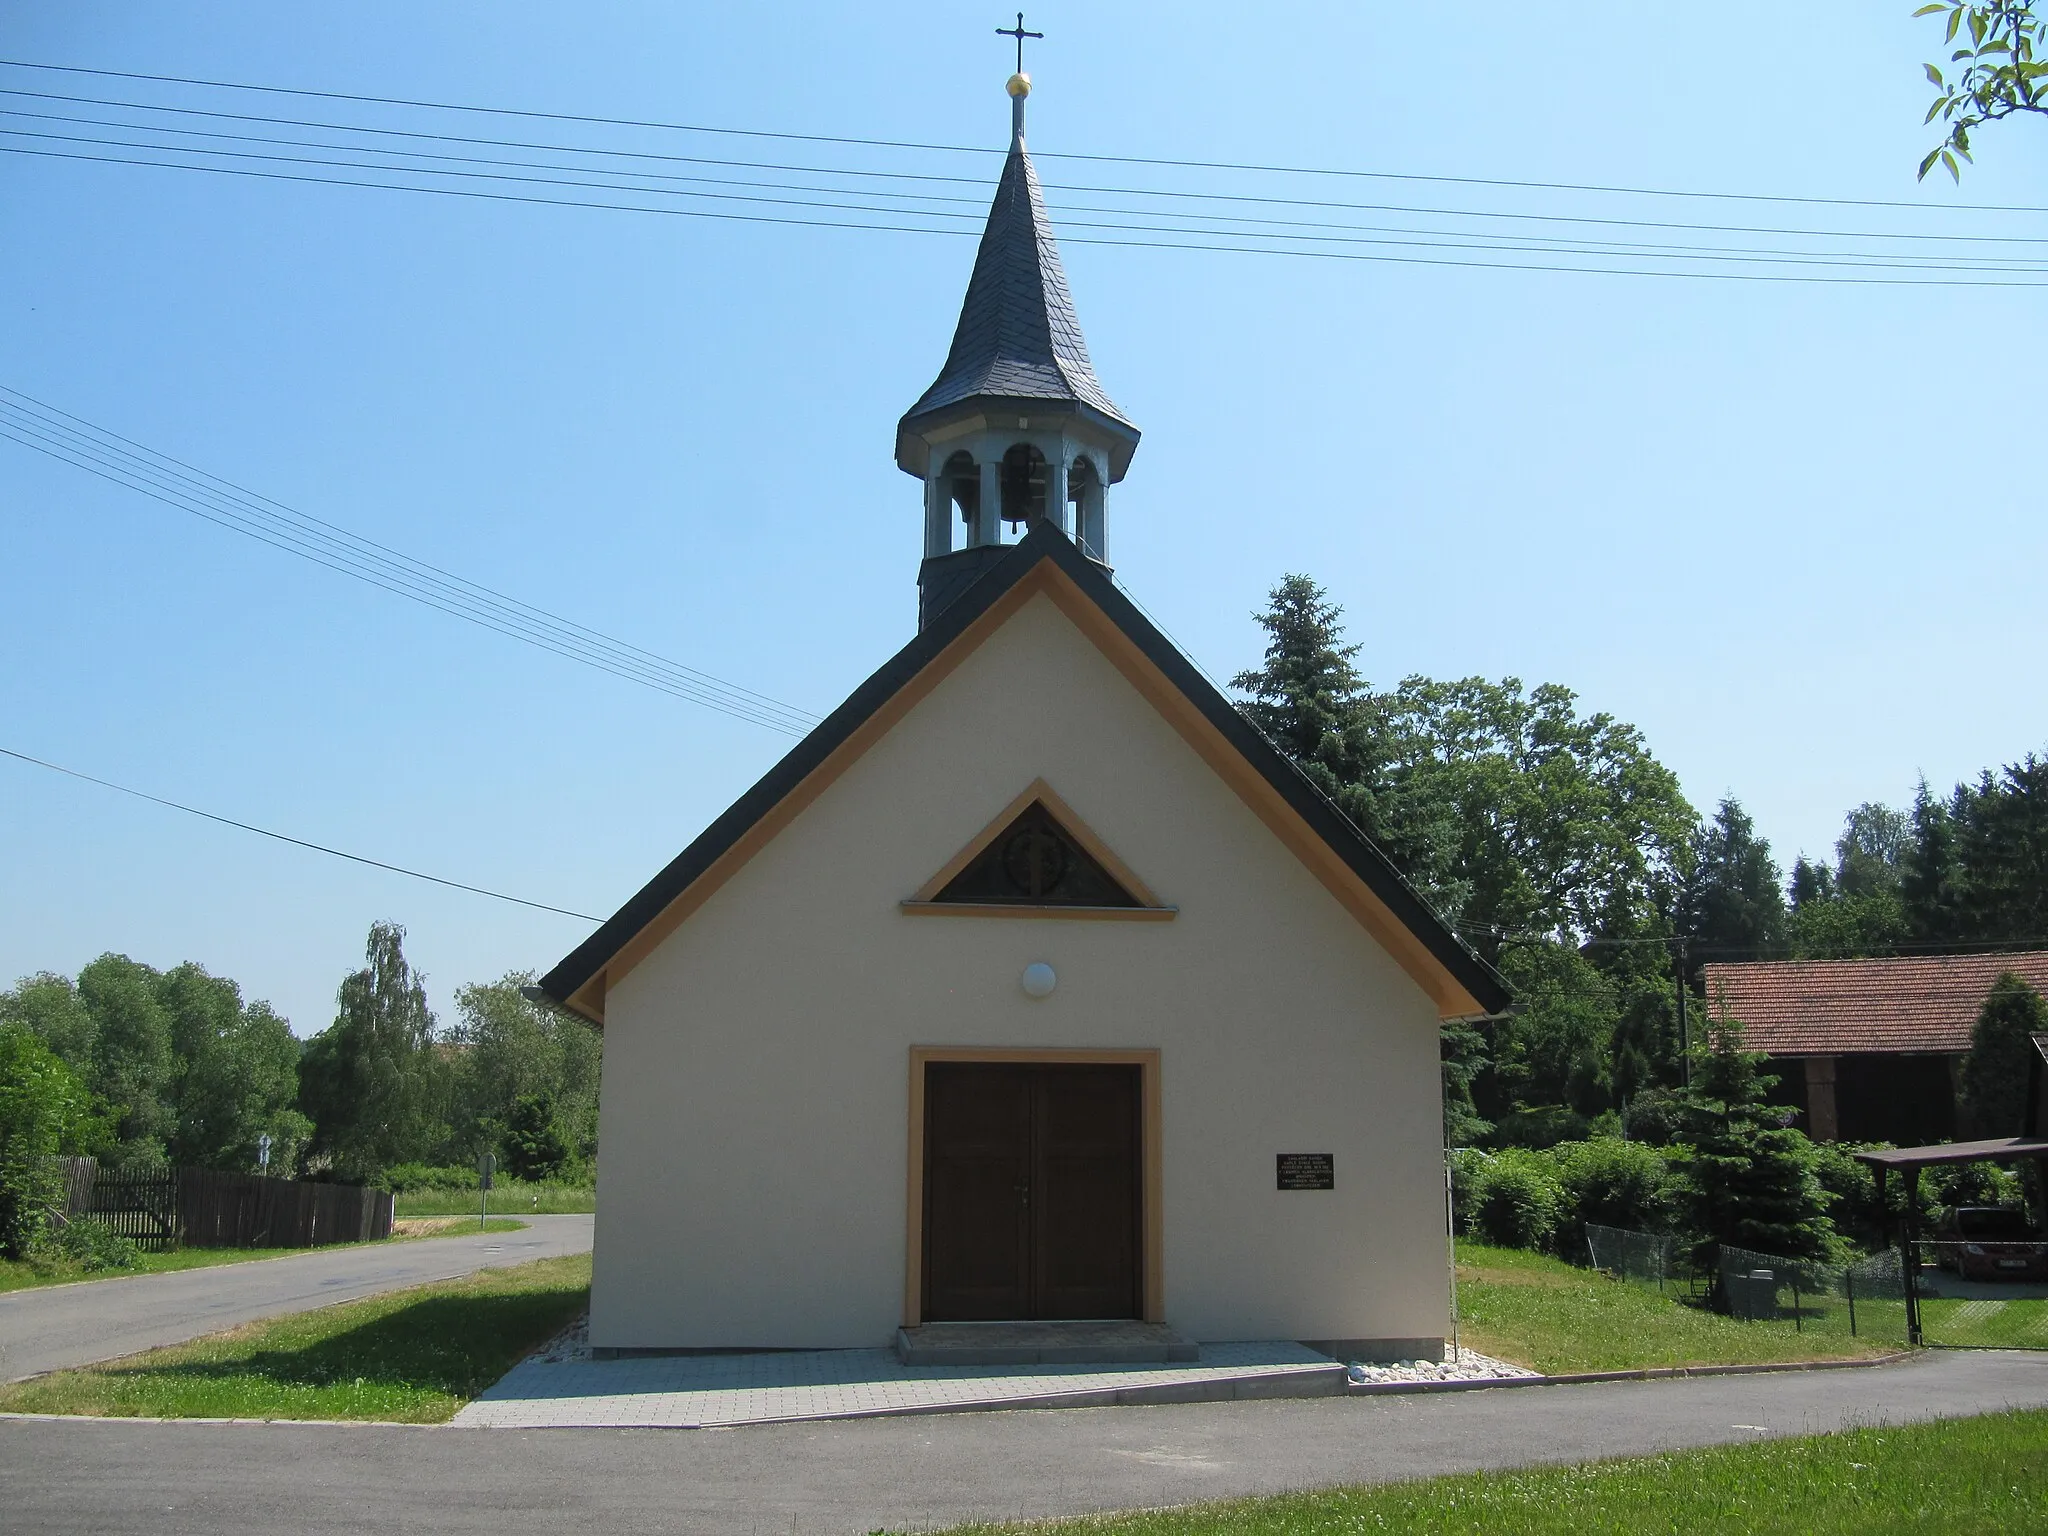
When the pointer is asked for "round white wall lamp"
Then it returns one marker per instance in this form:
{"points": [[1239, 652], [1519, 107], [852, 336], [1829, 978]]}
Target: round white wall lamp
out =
{"points": [[1039, 979]]}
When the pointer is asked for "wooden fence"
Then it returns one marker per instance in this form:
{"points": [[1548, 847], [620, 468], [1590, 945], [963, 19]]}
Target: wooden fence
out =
{"points": [[201, 1208]]}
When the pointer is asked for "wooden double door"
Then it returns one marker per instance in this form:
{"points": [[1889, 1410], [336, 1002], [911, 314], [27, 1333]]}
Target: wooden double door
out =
{"points": [[1033, 1191]]}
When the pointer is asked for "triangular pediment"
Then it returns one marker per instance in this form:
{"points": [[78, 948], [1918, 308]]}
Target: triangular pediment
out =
{"points": [[1038, 854], [1046, 565]]}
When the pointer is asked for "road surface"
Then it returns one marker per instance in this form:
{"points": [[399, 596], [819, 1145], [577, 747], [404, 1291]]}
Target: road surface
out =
{"points": [[59, 1326], [196, 1479]]}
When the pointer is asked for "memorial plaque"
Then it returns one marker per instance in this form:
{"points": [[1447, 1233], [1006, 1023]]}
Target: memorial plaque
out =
{"points": [[1307, 1170]]}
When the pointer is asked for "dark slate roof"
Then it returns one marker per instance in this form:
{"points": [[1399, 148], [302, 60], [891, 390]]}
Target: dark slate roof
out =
{"points": [[1018, 337], [1045, 542]]}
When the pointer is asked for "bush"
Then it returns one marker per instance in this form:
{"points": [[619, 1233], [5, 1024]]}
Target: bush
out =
{"points": [[1975, 1184], [407, 1178], [42, 1105], [1652, 1116], [1611, 1183], [1545, 1125], [1520, 1199], [93, 1246], [1468, 1182]]}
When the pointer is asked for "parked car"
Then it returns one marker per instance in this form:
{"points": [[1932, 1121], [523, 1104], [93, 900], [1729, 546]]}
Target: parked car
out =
{"points": [[1991, 1242]]}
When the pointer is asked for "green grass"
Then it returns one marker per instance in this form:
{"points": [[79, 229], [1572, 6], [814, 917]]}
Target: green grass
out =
{"points": [[2018, 1324], [510, 1196], [1979, 1474], [414, 1356], [1545, 1314], [24, 1274]]}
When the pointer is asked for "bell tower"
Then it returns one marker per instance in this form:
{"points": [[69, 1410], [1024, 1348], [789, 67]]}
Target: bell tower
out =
{"points": [[1016, 430]]}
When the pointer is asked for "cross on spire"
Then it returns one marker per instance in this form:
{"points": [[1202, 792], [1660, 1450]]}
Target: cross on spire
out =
{"points": [[1020, 34]]}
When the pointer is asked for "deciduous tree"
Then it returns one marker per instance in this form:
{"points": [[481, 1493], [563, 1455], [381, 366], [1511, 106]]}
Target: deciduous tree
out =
{"points": [[1995, 70]]}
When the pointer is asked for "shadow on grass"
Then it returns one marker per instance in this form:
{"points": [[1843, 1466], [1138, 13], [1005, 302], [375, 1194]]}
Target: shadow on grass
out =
{"points": [[454, 1344]]}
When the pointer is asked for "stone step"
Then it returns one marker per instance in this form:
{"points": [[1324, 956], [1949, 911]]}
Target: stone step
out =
{"points": [[1049, 1343]]}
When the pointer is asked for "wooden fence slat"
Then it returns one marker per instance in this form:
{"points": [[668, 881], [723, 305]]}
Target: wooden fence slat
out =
{"points": [[207, 1208]]}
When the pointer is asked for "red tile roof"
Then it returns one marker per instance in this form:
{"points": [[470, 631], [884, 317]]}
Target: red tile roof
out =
{"points": [[1843, 1007]]}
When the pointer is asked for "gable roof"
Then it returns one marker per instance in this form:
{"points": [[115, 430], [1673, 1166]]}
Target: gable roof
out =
{"points": [[1855, 1007], [1018, 337], [1341, 856]]}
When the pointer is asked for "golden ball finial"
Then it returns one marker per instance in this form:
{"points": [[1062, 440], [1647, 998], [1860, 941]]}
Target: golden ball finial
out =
{"points": [[1019, 85]]}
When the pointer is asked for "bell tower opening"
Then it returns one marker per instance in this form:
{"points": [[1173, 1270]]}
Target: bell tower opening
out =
{"points": [[1025, 478], [1085, 492]]}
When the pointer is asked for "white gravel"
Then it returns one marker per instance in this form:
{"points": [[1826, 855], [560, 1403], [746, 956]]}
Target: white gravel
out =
{"points": [[1469, 1366], [569, 1347]]}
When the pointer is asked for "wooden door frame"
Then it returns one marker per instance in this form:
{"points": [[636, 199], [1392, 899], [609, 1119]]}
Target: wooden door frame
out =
{"points": [[1151, 1222]]}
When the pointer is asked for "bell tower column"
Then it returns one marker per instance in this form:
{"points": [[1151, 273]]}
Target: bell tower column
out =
{"points": [[991, 504], [938, 514]]}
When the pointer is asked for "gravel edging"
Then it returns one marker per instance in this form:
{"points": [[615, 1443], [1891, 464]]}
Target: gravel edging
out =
{"points": [[1647, 1373]]}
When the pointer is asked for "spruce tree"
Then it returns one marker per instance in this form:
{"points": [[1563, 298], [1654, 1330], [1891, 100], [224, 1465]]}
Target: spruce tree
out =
{"points": [[1309, 700], [1995, 1074], [1733, 904], [1752, 1180]]}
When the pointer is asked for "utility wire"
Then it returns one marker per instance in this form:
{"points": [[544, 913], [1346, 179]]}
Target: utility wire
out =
{"points": [[979, 182], [487, 619], [71, 439], [296, 842], [1275, 230], [819, 138], [1140, 244]]}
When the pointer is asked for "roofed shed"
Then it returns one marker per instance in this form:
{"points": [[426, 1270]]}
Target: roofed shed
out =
{"points": [[1870, 1047]]}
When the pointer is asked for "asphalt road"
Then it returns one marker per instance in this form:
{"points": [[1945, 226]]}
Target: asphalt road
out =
{"points": [[59, 1326], [169, 1479]]}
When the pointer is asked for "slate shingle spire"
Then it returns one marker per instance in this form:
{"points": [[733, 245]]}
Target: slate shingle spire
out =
{"points": [[1016, 428]]}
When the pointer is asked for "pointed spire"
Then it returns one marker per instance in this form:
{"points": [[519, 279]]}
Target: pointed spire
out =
{"points": [[1018, 341]]}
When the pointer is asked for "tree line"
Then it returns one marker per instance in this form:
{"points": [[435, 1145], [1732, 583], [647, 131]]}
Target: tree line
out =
{"points": [[144, 1068], [1558, 846]]}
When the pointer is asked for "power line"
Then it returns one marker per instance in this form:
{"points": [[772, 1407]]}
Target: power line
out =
{"points": [[484, 617], [296, 842], [73, 440], [862, 173], [1139, 244], [1160, 161], [1279, 229]]}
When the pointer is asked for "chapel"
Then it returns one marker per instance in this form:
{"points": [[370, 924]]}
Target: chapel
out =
{"points": [[1034, 984]]}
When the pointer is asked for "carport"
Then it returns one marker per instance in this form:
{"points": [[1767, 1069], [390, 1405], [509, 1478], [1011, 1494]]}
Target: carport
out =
{"points": [[1910, 1160]]}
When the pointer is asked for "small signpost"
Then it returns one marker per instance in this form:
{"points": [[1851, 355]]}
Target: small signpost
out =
{"points": [[263, 1153], [486, 1165]]}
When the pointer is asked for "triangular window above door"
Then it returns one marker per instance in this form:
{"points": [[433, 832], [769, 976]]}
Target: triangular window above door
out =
{"points": [[1037, 859]]}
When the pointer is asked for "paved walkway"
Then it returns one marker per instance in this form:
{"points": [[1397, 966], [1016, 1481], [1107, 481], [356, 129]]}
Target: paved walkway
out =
{"points": [[60, 1326], [114, 1477], [704, 1391]]}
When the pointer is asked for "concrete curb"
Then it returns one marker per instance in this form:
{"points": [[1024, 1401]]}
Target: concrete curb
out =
{"points": [[1647, 1373]]}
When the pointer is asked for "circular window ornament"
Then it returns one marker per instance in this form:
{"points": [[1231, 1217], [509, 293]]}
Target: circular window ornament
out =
{"points": [[1039, 979]]}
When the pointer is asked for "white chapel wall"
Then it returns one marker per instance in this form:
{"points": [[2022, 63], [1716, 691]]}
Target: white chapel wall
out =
{"points": [[754, 1120]]}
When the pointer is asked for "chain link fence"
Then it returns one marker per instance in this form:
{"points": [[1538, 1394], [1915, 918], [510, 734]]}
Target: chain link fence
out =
{"points": [[1644, 1257], [1863, 1300], [1983, 1294]]}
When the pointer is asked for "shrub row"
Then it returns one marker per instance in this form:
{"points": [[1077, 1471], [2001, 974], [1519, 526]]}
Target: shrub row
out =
{"points": [[1520, 1198], [1524, 1198]]}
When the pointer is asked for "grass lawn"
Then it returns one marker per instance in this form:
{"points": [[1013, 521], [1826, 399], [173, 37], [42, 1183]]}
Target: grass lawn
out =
{"points": [[2018, 1324], [21, 1274], [1543, 1313], [1981, 1474], [414, 1356], [511, 1196]]}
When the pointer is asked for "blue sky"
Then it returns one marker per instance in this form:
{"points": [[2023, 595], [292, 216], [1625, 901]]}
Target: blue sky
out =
{"points": [[1750, 518]]}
